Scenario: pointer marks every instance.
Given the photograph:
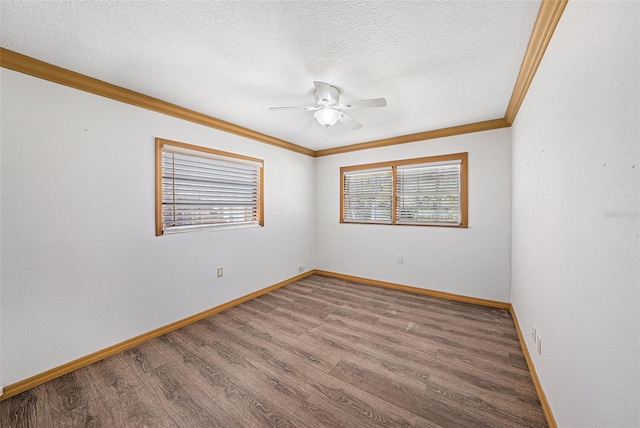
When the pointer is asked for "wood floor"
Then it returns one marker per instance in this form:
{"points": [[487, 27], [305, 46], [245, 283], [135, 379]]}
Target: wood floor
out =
{"points": [[320, 352]]}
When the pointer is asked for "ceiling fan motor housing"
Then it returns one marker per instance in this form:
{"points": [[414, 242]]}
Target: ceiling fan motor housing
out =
{"points": [[333, 94]]}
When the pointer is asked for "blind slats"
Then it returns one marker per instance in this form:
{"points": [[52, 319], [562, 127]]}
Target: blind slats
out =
{"points": [[428, 194], [368, 195], [203, 168], [424, 193], [190, 170], [208, 191]]}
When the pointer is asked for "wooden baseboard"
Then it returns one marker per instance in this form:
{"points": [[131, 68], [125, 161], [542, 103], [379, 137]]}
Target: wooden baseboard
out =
{"points": [[551, 421], [418, 290], [23, 385], [546, 408]]}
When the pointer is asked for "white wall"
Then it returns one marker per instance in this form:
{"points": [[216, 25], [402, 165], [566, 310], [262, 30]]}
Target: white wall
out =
{"points": [[1, 378], [576, 185], [472, 261], [82, 268]]}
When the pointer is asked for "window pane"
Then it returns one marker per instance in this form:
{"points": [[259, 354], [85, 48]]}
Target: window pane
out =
{"points": [[430, 191], [368, 196], [428, 194], [207, 191]]}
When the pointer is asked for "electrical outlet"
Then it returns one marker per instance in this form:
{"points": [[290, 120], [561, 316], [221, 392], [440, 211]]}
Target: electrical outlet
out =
{"points": [[400, 258], [533, 333], [301, 268], [220, 272], [539, 344]]}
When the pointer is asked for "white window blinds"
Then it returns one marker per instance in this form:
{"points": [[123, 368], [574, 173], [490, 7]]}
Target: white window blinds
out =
{"points": [[203, 189], [368, 195], [428, 193], [423, 191]]}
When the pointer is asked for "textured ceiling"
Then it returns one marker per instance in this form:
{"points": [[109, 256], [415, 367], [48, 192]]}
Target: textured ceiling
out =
{"points": [[438, 63]]}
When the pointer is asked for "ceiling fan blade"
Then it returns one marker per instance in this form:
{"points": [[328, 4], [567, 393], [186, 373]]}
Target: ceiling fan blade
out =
{"points": [[349, 121], [375, 102], [325, 92], [307, 125], [293, 108]]}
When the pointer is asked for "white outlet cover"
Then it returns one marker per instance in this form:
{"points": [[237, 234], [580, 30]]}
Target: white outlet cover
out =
{"points": [[539, 345]]}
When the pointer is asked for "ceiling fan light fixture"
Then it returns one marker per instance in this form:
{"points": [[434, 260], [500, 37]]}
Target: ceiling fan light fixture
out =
{"points": [[327, 116], [328, 109]]}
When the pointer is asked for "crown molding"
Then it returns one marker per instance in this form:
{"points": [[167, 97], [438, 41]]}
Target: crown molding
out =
{"points": [[548, 17], [43, 70], [419, 136], [546, 22]]}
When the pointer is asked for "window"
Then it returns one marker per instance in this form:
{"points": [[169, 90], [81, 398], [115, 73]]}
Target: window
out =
{"points": [[426, 191], [201, 188], [368, 195]]}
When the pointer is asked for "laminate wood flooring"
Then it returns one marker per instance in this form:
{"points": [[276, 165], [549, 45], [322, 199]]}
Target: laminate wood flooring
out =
{"points": [[321, 352]]}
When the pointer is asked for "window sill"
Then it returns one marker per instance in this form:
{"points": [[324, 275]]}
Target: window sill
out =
{"points": [[459, 226], [209, 228]]}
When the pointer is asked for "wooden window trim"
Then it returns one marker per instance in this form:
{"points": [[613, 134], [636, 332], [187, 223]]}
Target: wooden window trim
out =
{"points": [[464, 187], [158, 177]]}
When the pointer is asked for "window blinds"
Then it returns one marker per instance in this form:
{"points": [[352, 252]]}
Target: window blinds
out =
{"points": [[201, 189], [428, 193], [423, 192], [368, 195]]}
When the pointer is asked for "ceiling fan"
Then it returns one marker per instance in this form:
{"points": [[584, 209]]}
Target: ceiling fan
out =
{"points": [[328, 109]]}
